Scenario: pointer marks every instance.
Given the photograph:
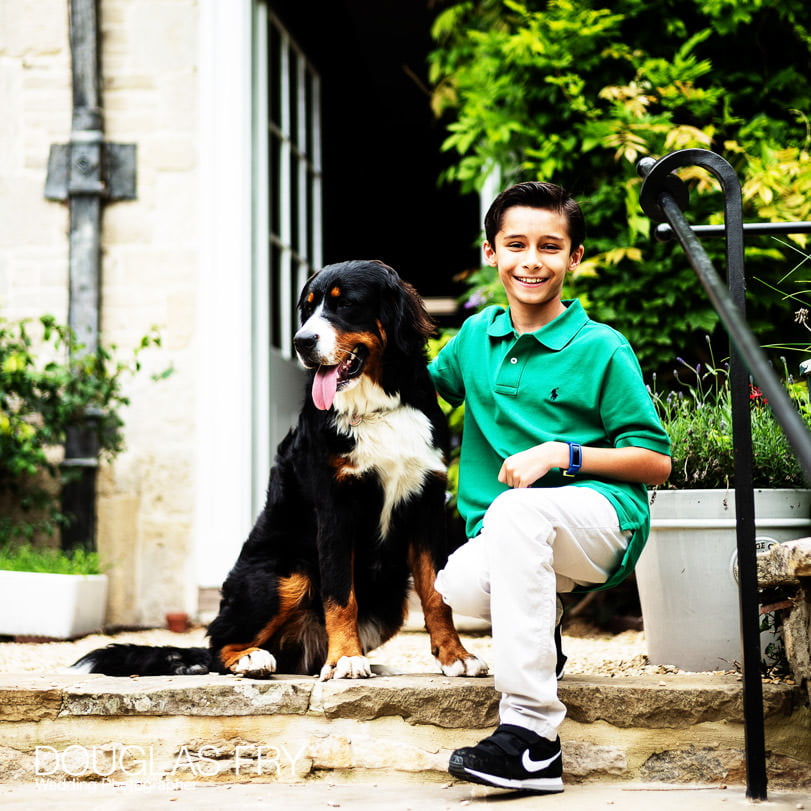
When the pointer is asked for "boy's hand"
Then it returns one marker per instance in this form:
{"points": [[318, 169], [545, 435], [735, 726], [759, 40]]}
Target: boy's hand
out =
{"points": [[525, 468]]}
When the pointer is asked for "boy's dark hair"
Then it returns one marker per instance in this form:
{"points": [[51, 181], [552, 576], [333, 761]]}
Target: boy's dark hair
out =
{"points": [[537, 194]]}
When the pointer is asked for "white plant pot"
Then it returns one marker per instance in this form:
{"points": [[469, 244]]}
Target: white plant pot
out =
{"points": [[59, 606], [687, 573]]}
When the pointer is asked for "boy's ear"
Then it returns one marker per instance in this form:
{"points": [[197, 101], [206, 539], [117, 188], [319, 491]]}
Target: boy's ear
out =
{"points": [[575, 257], [489, 254]]}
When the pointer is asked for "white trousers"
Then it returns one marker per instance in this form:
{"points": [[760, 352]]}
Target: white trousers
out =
{"points": [[534, 543]]}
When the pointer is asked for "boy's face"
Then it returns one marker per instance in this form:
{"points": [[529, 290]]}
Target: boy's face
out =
{"points": [[533, 253]]}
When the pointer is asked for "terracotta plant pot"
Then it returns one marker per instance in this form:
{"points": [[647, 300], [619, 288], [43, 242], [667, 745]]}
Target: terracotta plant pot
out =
{"points": [[177, 622]]}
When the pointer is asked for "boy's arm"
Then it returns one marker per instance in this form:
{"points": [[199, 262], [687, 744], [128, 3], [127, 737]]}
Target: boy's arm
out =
{"points": [[627, 464], [446, 375]]}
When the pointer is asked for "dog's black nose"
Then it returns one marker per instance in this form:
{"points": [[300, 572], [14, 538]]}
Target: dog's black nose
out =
{"points": [[305, 342]]}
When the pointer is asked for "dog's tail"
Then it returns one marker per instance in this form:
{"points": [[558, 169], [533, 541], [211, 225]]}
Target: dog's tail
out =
{"points": [[145, 660]]}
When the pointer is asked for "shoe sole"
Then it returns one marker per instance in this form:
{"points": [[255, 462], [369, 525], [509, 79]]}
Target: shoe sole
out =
{"points": [[539, 785]]}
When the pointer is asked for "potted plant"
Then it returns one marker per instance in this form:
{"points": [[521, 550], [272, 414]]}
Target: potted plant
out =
{"points": [[46, 592], [48, 386], [687, 574]]}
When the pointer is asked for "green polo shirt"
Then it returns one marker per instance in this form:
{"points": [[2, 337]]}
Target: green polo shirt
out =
{"points": [[573, 380]]}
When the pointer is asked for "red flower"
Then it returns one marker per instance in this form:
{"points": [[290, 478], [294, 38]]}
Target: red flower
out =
{"points": [[756, 395]]}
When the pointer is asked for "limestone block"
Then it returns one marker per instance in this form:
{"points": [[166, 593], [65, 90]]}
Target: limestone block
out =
{"points": [[241, 756], [789, 564], [584, 759], [118, 534], [641, 703], [694, 764], [15, 765], [449, 703], [35, 34], [365, 752], [186, 695], [161, 38], [785, 563], [797, 640], [171, 153], [30, 703]]}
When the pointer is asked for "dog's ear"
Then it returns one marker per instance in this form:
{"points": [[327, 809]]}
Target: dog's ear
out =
{"points": [[406, 320]]}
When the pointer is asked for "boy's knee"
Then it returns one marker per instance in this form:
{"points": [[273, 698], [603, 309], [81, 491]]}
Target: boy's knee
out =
{"points": [[503, 508], [463, 591], [513, 512]]}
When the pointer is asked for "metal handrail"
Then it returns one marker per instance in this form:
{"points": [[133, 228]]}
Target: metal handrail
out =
{"points": [[663, 197]]}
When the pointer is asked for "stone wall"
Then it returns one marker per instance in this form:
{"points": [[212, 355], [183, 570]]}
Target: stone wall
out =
{"points": [[149, 266]]}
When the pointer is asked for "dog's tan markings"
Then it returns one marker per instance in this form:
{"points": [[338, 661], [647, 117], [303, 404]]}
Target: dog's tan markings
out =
{"points": [[231, 654], [292, 591], [343, 467], [375, 344], [445, 643], [349, 340], [310, 297], [335, 292], [342, 629]]}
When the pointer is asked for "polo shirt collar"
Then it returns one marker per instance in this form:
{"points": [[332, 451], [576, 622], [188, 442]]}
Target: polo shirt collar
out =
{"points": [[555, 335]]}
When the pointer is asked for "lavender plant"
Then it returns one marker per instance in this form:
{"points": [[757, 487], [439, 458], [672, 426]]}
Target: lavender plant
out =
{"points": [[698, 418]]}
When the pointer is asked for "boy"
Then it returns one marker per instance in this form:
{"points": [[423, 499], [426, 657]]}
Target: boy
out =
{"points": [[560, 438]]}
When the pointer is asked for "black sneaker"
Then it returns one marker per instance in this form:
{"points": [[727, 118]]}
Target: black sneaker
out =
{"points": [[560, 664], [512, 757]]}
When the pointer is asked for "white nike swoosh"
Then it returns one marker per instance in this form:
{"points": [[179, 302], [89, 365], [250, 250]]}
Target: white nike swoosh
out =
{"points": [[536, 765]]}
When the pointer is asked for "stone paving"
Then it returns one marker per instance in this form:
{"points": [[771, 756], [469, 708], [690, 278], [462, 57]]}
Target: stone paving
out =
{"points": [[389, 794]]}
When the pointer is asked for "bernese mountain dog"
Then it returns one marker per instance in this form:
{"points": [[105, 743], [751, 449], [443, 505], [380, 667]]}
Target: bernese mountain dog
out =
{"points": [[355, 509]]}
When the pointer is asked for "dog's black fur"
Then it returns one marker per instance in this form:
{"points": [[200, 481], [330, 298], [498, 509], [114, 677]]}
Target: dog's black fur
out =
{"points": [[355, 503]]}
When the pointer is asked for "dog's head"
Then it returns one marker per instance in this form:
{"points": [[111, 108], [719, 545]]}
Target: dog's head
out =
{"points": [[358, 319]]}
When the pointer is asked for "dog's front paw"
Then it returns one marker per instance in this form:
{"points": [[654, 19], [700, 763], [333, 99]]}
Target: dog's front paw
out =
{"points": [[469, 666], [258, 664], [347, 667]]}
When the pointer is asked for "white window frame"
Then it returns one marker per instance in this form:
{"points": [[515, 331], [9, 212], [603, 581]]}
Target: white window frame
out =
{"points": [[224, 340], [233, 319], [296, 255]]}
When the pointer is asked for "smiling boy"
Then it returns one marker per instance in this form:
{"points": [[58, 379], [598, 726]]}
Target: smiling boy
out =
{"points": [[560, 438]]}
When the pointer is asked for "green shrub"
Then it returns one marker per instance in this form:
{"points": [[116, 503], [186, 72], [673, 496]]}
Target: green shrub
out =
{"points": [[43, 393]]}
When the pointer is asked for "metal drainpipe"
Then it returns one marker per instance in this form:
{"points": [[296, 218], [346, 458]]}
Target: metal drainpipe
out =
{"points": [[86, 173]]}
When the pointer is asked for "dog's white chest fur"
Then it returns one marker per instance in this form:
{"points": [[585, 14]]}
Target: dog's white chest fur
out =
{"points": [[396, 445]]}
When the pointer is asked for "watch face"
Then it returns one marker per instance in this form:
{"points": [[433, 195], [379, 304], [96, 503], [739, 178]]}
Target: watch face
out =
{"points": [[575, 459]]}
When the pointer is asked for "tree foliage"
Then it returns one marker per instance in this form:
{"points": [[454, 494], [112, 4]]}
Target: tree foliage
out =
{"points": [[576, 93]]}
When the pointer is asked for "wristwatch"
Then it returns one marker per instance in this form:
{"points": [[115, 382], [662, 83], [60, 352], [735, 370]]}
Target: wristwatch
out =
{"points": [[575, 459]]}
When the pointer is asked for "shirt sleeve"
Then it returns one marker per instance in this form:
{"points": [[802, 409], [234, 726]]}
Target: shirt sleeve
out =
{"points": [[627, 410], [446, 373]]}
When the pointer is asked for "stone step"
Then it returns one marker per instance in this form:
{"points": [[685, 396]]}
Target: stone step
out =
{"points": [[669, 729]]}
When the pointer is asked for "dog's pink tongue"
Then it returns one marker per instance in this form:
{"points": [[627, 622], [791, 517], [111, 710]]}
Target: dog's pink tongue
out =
{"points": [[324, 386]]}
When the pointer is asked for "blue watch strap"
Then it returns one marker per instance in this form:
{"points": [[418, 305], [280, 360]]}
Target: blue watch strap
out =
{"points": [[575, 459]]}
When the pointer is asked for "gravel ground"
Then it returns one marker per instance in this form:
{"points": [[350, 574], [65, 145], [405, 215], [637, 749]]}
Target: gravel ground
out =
{"points": [[589, 651]]}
